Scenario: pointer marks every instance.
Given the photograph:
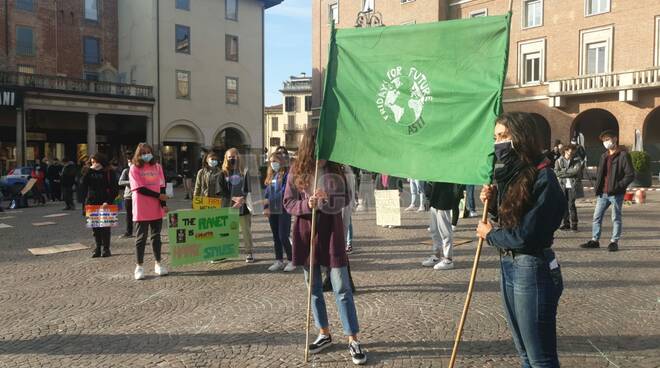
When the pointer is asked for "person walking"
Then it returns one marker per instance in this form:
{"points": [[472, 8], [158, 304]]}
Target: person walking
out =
{"points": [[39, 174], [416, 191], [441, 200], [529, 204], [568, 169], [278, 218], [186, 172], [68, 181], [329, 243], [615, 173], [149, 206], [100, 184], [54, 183], [235, 186], [125, 182]]}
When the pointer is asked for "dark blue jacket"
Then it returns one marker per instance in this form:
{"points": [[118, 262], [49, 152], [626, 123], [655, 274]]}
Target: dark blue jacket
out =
{"points": [[275, 194], [537, 228]]}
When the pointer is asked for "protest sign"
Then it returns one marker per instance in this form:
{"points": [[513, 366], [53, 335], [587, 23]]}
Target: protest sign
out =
{"points": [[28, 186], [388, 210], [202, 235], [102, 216], [202, 203]]}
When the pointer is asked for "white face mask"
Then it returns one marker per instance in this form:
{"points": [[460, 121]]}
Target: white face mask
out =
{"points": [[608, 144], [213, 163]]}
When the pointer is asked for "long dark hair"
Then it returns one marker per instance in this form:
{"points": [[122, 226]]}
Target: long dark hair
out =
{"points": [[305, 163], [526, 143]]}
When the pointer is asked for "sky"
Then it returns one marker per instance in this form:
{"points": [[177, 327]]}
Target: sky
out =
{"points": [[288, 45]]}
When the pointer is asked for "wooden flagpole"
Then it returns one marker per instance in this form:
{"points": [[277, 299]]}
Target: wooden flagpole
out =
{"points": [[311, 268], [468, 298]]}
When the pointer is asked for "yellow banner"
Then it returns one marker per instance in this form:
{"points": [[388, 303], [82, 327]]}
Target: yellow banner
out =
{"points": [[202, 203]]}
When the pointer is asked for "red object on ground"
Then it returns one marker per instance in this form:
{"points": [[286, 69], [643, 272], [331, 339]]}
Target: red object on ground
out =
{"points": [[628, 196]]}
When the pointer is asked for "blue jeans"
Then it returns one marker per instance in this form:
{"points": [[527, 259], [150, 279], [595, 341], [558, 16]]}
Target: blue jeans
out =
{"points": [[349, 233], [602, 203], [530, 294], [470, 198], [341, 287], [280, 225]]}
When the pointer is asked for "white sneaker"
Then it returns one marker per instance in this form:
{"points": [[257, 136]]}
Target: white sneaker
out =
{"points": [[160, 270], [409, 208], [277, 266], [421, 209], [453, 227], [430, 262], [289, 267], [139, 273], [474, 214], [428, 229], [444, 264], [390, 226]]}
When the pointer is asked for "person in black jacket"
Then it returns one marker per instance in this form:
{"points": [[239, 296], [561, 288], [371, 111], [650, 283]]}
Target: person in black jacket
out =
{"points": [[615, 173], [442, 199], [53, 177], [100, 184], [68, 181], [529, 205]]}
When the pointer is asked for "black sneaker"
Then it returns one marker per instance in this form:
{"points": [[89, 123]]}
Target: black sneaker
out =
{"points": [[96, 254], [613, 247], [574, 229], [590, 244], [106, 253], [321, 342], [357, 354]]}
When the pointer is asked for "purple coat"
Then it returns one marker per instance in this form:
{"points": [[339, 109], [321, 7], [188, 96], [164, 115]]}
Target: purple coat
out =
{"points": [[330, 242]]}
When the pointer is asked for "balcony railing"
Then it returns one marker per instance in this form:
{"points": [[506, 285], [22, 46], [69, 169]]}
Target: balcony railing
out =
{"points": [[609, 82], [295, 126], [73, 85]]}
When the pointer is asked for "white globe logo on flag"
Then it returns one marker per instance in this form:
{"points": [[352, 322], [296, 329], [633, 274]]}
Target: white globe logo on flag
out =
{"points": [[402, 96]]}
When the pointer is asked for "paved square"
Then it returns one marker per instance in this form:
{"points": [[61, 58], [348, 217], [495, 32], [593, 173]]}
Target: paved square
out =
{"points": [[68, 310]]}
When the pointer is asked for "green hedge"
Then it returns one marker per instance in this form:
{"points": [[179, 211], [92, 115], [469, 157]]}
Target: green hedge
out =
{"points": [[641, 161]]}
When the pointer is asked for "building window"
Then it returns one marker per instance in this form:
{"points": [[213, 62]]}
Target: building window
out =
{"points": [[231, 85], [368, 5], [292, 122], [406, 1], [24, 41], [334, 13], [274, 142], [479, 13], [593, 7], [27, 5], [290, 103], [27, 69], [597, 58], [183, 84], [531, 62], [231, 48], [274, 122], [532, 68], [533, 13], [91, 76], [308, 103], [182, 4], [91, 50], [182, 34], [92, 10], [596, 50], [231, 9]]}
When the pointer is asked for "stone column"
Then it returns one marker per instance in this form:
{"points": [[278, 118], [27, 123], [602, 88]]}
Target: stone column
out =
{"points": [[20, 139], [91, 134], [150, 130]]}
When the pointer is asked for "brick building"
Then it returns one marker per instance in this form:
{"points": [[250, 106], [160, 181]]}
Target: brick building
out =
{"points": [[59, 60], [581, 66]]}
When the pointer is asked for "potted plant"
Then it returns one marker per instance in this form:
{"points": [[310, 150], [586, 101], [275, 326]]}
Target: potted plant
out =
{"points": [[641, 163]]}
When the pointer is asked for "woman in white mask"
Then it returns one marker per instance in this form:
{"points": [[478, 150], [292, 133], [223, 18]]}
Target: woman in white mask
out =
{"points": [[207, 182], [278, 218]]}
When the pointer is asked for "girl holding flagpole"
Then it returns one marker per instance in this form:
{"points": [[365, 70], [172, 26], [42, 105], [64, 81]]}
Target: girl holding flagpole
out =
{"points": [[329, 199], [530, 205]]}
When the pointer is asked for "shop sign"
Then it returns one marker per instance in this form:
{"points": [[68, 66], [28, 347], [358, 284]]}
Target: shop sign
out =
{"points": [[10, 98]]}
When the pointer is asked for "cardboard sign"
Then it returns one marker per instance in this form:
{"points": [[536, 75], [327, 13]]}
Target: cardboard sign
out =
{"points": [[102, 216], [202, 203], [28, 186], [388, 209], [169, 190], [202, 235]]}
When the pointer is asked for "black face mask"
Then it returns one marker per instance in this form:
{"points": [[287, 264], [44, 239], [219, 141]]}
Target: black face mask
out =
{"points": [[503, 150], [232, 161]]}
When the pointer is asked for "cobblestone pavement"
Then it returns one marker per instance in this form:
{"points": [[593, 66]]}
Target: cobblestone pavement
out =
{"points": [[68, 310]]}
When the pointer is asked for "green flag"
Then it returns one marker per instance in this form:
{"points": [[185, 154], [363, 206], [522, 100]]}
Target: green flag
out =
{"points": [[416, 101]]}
